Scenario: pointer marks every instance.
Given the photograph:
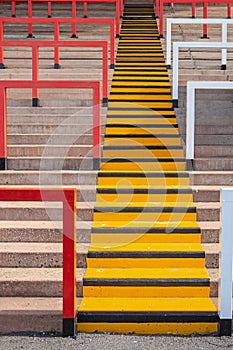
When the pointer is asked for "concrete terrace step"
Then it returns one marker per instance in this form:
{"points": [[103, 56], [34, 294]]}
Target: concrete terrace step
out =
{"points": [[40, 211], [24, 254], [47, 282]]}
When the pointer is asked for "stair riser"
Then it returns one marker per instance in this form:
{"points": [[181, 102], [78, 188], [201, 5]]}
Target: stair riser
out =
{"points": [[147, 166], [150, 141], [143, 153], [53, 151], [50, 164], [54, 139], [143, 198], [142, 181]]}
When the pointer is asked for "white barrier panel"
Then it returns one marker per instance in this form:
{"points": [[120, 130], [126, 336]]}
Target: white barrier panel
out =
{"points": [[176, 46], [222, 21], [190, 109], [225, 263]]}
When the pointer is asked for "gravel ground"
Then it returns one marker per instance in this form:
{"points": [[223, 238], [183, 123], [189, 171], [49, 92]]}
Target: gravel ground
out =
{"points": [[112, 342]]}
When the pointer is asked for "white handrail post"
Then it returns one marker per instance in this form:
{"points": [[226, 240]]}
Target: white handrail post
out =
{"points": [[224, 51], [225, 264], [190, 124], [168, 50], [175, 74]]}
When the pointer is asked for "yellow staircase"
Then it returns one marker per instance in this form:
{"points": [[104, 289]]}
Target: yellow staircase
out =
{"points": [[145, 267]]}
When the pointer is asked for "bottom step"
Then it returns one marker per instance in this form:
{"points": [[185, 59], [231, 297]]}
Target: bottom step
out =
{"points": [[148, 316]]}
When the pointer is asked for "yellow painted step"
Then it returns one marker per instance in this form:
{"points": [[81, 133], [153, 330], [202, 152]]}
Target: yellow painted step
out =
{"points": [[142, 90], [172, 225], [141, 130], [138, 165], [128, 262], [141, 120], [143, 181], [130, 216], [151, 305], [143, 153], [125, 238], [143, 197], [139, 98], [158, 140], [158, 105], [122, 84], [150, 328]]}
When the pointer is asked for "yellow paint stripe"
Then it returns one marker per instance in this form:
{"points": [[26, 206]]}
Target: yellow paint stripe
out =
{"points": [[149, 328], [175, 225]]}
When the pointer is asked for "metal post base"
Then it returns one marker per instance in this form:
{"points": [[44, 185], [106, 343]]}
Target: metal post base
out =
{"points": [[112, 65], [168, 66], [204, 36], [49, 16], [223, 67], [225, 327], [30, 36], [74, 36], [84, 16], [96, 163], [57, 66], [3, 163], [2, 66], [35, 102], [117, 35], [175, 103], [13, 16], [69, 327], [189, 164], [161, 36], [105, 102]]}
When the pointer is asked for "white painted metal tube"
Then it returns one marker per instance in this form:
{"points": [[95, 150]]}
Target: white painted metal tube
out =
{"points": [[190, 109], [176, 46], [170, 21]]}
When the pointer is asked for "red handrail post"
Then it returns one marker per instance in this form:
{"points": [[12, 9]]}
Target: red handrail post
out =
{"points": [[49, 9], [2, 66], [121, 8], [69, 263], [85, 10], [13, 9], [156, 3], [105, 74], [205, 15], [118, 14], [56, 48], [3, 129], [35, 76], [30, 35], [193, 10], [74, 11], [229, 10], [112, 45], [96, 126], [161, 18]]}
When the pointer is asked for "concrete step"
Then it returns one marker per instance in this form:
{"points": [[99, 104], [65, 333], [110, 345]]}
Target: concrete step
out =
{"points": [[47, 211], [59, 129], [46, 163], [213, 151], [37, 231], [52, 139], [206, 178], [47, 282], [21, 254], [213, 163], [50, 150]]}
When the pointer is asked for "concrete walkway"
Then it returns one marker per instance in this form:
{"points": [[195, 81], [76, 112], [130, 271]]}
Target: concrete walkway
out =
{"points": [[112, 342]]}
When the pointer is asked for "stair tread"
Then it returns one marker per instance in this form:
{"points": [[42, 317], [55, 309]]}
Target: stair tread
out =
{"points": [[147, 305], [148, 247]]}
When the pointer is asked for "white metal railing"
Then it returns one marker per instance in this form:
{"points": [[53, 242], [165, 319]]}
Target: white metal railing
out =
{"points": [[176, 46], [190, 109], [170, 21], [225, 262]]}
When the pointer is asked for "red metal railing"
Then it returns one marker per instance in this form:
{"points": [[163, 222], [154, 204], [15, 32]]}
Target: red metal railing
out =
{"points": [[193, 2], [57, 21], [119, 8], [50, 84], [56, 44], [68, 198]]}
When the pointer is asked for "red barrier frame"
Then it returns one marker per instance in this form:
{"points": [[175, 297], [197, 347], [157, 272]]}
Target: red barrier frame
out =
{"points": [[68, 197], [49, 84], [193, 2], [56, 44], [57, 21], [119, 9]]}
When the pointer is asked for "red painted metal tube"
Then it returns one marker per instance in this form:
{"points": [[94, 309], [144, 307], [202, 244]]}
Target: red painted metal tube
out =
{"points": [[229, 10], [118, 14], [156, 2], [85, 14], [30, 16], [50, 84], [68, 198], [205, 15], [3, 124], [193, 10], [109, 21], [56, 45], [74, 15], [35, 73], [49, 9], [1, 47], [13, 8]]}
